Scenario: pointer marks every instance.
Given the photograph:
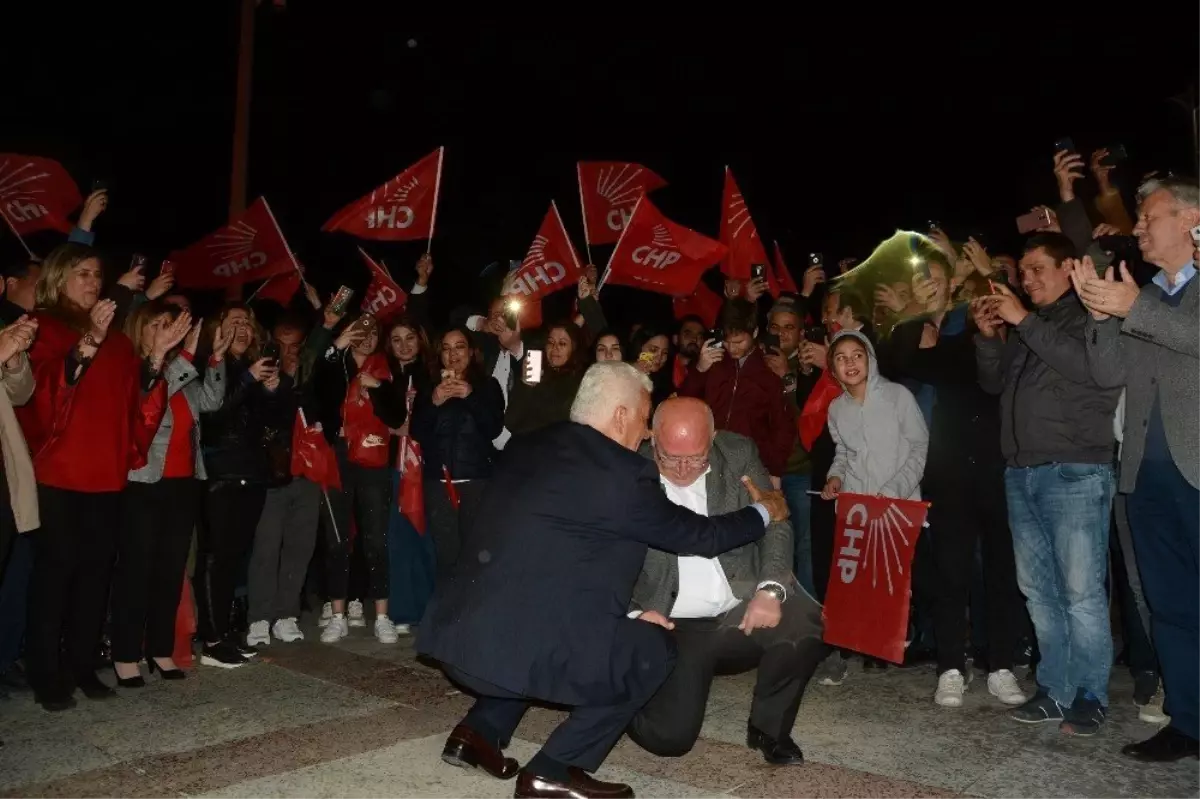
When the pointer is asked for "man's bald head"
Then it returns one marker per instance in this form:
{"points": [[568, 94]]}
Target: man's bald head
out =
{"points": [[683, 436]]}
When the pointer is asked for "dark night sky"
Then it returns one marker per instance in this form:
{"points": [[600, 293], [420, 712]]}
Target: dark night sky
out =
{"points": [[839, 125]]}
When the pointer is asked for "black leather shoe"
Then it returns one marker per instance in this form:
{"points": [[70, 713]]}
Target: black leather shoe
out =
{"points": [[167, 674], [54, 702], [94, 689], [578, 785], [777, 753], [1167, 745], [466, 748]]}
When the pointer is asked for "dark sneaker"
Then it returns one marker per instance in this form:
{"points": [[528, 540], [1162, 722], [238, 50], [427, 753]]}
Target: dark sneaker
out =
{"points": [[235, 642], [1083, 718], [832, 670], [222, 655], [1038, 710], [1145, 683], [871, 664]]}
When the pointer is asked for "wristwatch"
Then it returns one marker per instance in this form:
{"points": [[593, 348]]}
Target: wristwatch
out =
{"points": [[774, 589]]}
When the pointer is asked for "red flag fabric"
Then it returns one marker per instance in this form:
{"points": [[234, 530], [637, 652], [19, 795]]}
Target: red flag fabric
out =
{"points": [[866, 603], [251, 247], [36, 194], [608, 191], [451, 489], [816, 409], [739, 234], [280, 289], [703, 302], [185, 626], [551, 263], [783, 277], [312, 457], [410, 498], [383, 298], [366, 435], [656, 254], [402, 209]]}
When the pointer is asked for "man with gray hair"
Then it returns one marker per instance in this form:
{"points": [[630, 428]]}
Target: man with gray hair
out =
{"points": [[1146, 340], [535, 608]]}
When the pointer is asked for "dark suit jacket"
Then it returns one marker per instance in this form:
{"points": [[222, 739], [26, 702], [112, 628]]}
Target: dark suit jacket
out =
{"points": [[769, 558], [545, 575]]}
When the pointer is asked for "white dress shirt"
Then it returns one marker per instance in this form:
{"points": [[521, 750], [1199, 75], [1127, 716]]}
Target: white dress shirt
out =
{"points": [[704, 590]]}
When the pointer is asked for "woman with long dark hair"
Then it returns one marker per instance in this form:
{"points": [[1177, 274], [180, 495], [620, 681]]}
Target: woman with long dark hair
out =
{"points": [[652, 351], [454, 421], [532, 406], [96, 406]]}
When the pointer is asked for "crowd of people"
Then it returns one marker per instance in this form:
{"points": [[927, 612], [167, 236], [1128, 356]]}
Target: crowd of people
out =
{"points": [[1020, 393]]}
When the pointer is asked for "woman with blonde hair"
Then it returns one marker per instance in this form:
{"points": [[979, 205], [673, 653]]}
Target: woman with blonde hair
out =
{"points": [[161, 502], [96, 406], [237, 468]]}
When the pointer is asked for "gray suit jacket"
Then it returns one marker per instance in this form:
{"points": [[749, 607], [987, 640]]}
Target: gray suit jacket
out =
{"points": [[203, 396], [1153, 351], [769, 558]]}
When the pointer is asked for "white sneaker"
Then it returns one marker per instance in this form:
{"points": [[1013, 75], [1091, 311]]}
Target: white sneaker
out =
{"points": [[1152, 712], [950, 690], [385, 631], [403, 629], [287, 630], [1003, 685], [336, 630], [326, 614], [355, 614], [260, 634]]}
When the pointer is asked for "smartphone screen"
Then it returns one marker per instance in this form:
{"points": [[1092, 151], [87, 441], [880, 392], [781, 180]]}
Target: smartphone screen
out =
{"points": [[758, 271], [532, 374]]}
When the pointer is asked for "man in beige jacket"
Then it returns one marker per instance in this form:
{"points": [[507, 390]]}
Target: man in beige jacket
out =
{"points": [[18, 504]]}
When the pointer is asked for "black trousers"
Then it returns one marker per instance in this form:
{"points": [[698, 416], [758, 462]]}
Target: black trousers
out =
{"points": [[785, 655], [363, 502], [73, 555], [229, 513], [449, 526], [157, 520], [642, 653], [968, 506]]}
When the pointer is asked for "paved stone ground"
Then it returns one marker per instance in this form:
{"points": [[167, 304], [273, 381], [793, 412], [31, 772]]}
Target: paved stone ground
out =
{"points": [[363, 719]]}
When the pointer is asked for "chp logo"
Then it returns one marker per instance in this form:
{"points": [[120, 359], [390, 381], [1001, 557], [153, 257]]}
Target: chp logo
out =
{"points": [[234, 250], [871, 543], [621, 188], [739, 216], [395, 212], [19, 192], [661, 252], [379, 298], [535, 270]]}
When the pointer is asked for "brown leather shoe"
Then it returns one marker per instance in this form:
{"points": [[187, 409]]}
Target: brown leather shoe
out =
{"points": [[466, 748], [579, 785]]}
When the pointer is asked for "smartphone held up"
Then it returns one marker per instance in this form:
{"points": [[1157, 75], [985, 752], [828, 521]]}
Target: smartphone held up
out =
{"points": [[531, 373]]}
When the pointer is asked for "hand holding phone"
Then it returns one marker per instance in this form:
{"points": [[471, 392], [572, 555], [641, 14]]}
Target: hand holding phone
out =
{"points": [[1036, 219], [531, 374]]}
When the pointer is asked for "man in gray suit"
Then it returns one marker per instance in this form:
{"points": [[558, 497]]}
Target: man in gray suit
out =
{"points": [[729, 614], [1147, 341]]}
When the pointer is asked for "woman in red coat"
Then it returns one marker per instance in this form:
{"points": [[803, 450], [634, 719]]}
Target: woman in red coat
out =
{"points": [[94, 411]]}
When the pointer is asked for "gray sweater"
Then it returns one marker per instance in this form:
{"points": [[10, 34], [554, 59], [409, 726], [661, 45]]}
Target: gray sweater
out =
{"points": [[202, 397]]}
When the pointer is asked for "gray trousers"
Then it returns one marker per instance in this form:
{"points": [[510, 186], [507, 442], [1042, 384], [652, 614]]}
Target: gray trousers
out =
{"points": [[283, 546]]}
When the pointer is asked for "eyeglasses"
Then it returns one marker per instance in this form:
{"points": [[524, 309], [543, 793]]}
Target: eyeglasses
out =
{"points": [[681, 461]]}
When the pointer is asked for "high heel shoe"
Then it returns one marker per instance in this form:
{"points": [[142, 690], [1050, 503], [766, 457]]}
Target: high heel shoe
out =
{"points": [[167, 674], [129, 682]]}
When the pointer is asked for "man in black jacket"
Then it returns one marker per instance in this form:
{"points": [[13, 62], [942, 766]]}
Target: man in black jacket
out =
{"points": [[536, 607]]}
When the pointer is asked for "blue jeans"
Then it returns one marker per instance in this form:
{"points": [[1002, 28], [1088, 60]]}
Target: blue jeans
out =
{"points": [[795, 490], [1164, 514], [1059, 514], [14, 588]]}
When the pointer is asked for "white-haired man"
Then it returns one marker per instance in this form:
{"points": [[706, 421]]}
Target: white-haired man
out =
{"points": [[535, 609]]}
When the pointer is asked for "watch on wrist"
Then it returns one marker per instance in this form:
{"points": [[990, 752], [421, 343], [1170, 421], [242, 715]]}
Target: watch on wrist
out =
{"points": [[774, 589]]}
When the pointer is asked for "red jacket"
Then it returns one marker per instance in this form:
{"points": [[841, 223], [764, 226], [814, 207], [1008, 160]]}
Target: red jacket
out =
{"points": [[747, 398], [87, 437]]}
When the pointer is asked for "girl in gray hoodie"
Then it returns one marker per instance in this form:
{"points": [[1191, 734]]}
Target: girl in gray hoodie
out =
{"points": [[876, 425]]}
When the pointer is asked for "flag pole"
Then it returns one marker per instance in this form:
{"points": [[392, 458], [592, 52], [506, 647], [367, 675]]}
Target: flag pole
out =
{"points": [[437, 186], [286, 246], [608, 266], [563, 228], [13, 228], [587, 237]]}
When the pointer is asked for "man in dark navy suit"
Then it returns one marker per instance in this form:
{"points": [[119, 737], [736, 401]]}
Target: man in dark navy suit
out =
{"points": [[535, 610]]}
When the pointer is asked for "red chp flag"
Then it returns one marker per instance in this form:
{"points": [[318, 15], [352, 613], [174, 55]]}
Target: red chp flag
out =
{"points": [[739, 234], [608, 191], [703, 302], [36, 194], [280, 289], [782, 276], [410, 463], [383, 298], [656, 254], [251, 247], [551, 263], [866, 603], [403, 209]]}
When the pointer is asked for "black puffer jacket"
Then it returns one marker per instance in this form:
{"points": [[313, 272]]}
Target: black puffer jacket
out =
{"points": [[458, 433], [231, 438]]}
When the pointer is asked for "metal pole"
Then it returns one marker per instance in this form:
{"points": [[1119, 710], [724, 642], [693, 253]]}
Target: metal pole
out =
{"points": [[241, 113]]}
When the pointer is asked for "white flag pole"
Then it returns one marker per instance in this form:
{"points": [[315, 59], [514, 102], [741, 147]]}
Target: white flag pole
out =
{"points": [[587, 237], [11, 227], [437, 186], [629, 224]]}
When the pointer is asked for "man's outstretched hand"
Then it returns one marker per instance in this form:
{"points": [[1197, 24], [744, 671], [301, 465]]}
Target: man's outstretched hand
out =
{"points": [[654, 617], [773, 501]]}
